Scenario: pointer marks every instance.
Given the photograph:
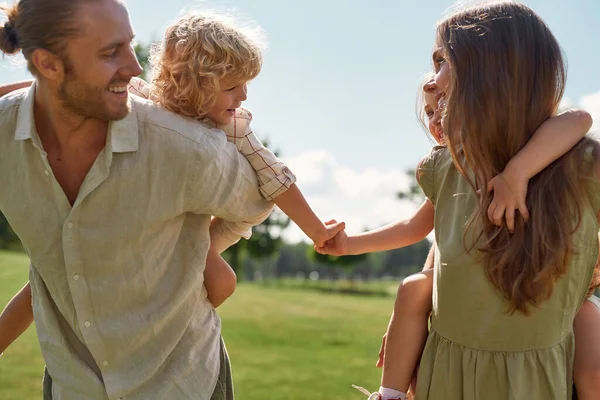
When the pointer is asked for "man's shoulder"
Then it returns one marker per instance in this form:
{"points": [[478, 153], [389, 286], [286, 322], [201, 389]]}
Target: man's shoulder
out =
{"points": [[12, 100], [157, 119]]}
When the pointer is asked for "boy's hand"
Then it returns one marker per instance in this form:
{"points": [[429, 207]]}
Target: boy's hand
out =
{"points": [[326, 232], [510, 192], [337, 243]]}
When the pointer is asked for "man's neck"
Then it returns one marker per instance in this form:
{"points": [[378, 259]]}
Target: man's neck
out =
{"points": [[61, 128]]}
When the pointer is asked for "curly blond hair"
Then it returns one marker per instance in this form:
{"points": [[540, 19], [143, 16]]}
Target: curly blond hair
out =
{"points": [[200, 49]]}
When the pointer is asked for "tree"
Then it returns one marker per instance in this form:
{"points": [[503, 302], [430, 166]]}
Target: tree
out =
{"points": [[346, 262], [414, 192], [8, 238], [142, 53], [264, 242]]}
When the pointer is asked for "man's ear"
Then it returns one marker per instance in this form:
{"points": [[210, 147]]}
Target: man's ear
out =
{"points": [[49, 65]]}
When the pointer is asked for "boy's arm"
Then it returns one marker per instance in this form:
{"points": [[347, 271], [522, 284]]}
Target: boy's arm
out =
{"points": [[16, 317], [295, 206], [392, 236], [11, 87], [510, 187], [277, 182]]}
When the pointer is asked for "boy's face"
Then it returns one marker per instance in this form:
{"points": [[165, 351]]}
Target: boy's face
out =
{"points": [[230, 96]]}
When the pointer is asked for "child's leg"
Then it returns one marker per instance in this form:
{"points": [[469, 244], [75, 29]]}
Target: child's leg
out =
{"points": [[219, 278], [16, 317], [407, 331], [587, 350]]}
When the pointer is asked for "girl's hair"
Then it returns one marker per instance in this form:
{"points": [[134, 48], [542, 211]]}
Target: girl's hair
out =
{"points": [[198, 50], [507, 78], [39, 24], [420, 105]]}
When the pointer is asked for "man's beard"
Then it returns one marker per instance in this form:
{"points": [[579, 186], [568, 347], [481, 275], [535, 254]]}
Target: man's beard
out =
{"points": [[88, 101]]}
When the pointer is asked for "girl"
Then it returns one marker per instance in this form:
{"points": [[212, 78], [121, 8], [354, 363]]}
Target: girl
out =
{"points": [[408, 326]]}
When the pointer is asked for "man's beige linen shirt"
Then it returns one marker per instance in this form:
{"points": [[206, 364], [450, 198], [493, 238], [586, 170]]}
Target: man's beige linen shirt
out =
{"points": [[117, 278]]}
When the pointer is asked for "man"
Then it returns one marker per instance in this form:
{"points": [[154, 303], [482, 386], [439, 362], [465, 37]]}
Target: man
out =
{"points": [[112, 198]]}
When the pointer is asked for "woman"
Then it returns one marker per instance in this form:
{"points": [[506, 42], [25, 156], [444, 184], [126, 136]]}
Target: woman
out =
{"points": [[504, 303]]}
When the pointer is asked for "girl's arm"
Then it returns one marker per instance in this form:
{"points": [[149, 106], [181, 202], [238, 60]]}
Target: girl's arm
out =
{"points": [[16, 317], [392, 236], [11, 87], [553, 139]]}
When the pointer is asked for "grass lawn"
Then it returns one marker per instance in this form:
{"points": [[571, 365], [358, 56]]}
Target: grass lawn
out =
{"points": [[283, 343]]}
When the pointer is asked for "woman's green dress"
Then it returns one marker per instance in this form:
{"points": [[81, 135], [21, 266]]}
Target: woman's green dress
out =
{"points": [[475, 349]]}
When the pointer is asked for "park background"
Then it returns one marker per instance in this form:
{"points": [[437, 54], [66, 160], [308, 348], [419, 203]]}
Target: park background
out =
{"points": [[336, 100]]}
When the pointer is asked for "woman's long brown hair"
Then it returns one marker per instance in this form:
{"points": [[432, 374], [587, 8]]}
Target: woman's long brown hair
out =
{"points": [[507, 78]]}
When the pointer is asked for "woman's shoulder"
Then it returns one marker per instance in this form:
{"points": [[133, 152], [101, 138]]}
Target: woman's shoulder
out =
{"points": [[437, 157]]}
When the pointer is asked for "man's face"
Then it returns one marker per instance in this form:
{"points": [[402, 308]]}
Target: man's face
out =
{"points": [[99, 63]]}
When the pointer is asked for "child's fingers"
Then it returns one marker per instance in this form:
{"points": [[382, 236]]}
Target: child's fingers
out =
{"points": [[510, 219], [491, 210], [381, 352], [498, 215], [335, 228], [524, 211]]}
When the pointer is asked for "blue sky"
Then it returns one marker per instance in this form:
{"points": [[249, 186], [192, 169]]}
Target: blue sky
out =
{"points": [[337, 93]]}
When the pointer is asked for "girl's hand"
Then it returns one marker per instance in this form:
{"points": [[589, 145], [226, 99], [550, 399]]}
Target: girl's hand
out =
{"points": [[379, 363], [335, 246], [510, 192]]}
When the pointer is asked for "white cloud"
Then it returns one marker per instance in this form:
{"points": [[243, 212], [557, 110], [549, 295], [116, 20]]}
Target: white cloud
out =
{"points": [[367, 198], [361, 198], [591, 103]]}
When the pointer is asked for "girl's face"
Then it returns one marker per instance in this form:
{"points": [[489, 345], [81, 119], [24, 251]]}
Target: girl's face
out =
{"points": [[434, 118], [230, 96], [438, 86]]}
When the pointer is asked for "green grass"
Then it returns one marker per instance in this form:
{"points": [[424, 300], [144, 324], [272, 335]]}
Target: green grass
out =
{"points": [[283, 343]]}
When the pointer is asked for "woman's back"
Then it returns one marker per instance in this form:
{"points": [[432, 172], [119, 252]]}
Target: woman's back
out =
{"points": [[476, 350]]}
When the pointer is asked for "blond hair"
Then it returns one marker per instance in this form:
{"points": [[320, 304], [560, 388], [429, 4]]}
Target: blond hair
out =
{"points": [[200, 49]]}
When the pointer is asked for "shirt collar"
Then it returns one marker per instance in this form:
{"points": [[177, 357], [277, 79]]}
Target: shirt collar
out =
{"points": [[123, 134], [25, 123]]}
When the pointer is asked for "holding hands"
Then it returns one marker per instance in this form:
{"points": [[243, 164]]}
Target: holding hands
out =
{"points": [[335, 245]]}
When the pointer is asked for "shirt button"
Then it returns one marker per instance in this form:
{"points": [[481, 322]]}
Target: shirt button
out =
{"points": [[87, 324], [76, 277], [47, 173], [70, 225], [105, 363]]}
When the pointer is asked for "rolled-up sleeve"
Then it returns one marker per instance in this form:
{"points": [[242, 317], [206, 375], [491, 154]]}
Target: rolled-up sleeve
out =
{"points": [[274, 176]]}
